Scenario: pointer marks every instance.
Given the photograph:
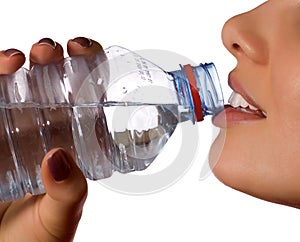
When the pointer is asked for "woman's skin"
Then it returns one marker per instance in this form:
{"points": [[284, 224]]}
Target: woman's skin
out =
{"points": [[260, 153], [54, 216]]}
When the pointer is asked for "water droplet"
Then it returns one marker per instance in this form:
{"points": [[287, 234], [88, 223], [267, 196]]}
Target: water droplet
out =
{"points": [[99, 81]]}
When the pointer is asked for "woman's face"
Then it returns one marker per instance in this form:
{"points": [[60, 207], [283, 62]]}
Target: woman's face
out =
{"points": [[258, 152]]}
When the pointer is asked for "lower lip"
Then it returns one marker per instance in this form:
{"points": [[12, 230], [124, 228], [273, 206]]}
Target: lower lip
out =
{"points": [[231, 116]]}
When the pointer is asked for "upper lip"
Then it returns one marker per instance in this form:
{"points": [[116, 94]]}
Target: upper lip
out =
{"points": [[238, 88]]}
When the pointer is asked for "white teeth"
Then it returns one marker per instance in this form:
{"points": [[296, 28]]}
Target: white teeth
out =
{"points": [[237, 100], [253, 108]]}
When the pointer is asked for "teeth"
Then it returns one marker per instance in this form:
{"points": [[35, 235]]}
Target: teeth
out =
{"points": [[237, 100]]}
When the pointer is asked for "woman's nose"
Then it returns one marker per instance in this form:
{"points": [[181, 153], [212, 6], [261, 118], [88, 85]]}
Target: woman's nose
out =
{"points": [[244, 36]]}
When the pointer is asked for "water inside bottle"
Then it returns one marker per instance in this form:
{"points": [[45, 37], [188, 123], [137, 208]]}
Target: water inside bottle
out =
{"points": [[10, 188], [138, 132], [122, 136], [56, 127], [103, 138], [23, 151]]}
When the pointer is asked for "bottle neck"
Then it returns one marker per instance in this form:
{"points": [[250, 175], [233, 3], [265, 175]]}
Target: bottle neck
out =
{"points": [[204, 88]]}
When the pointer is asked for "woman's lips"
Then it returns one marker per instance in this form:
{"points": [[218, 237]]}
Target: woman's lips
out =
{"points": [[231, 116], [242, 107]]}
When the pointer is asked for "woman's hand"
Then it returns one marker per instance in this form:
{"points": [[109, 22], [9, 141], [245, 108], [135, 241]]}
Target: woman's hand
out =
{"points": [[54, 216]]}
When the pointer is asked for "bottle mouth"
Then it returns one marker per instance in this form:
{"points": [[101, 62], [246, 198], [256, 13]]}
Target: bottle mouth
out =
{"points": [[205, 89]]}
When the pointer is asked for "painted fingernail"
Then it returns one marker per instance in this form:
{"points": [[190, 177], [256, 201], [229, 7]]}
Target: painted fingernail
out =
{"points": [[47, 41], [12, 52], [59, 166], [84, 42]]}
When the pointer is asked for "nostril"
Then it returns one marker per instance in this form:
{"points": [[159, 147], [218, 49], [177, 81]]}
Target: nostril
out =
{"points": [[236, 46]]}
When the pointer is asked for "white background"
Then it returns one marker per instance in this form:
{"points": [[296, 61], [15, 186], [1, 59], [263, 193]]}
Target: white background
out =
{"points": [[190, 210]]}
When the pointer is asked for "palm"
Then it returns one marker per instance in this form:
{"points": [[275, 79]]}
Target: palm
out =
{"points": [[20, 221]]}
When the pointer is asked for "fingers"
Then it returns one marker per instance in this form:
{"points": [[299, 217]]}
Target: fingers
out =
{"points": [[10, 61], [66, 190], [83, 46], [46, 51]]}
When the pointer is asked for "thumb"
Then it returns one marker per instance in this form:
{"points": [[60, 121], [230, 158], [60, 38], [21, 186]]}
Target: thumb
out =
{"points": [[60, 208]]}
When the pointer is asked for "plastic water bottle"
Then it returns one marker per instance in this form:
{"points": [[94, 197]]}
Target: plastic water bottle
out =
{"points": [[112, 113]]}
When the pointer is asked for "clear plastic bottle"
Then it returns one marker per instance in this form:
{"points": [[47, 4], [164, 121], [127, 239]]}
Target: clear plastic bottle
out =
{"points": [[112, 113]]}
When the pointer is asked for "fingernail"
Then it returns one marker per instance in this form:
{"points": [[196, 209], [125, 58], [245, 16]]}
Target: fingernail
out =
{"points": [[84, 42], [12, 52], [59, 166], [47, 41]]}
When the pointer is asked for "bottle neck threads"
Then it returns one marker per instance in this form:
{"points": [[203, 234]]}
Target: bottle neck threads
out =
{"points": [[205, 89]]}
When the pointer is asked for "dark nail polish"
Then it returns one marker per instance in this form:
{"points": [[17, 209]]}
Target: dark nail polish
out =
{"points": [[59, 166], [47, 41], [84, 42], [12, 52]]}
